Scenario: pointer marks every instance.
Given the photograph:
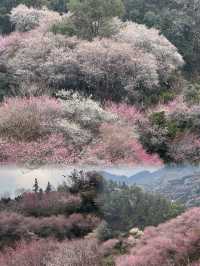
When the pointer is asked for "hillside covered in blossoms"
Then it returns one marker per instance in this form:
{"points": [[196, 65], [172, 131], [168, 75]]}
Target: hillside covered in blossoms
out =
{"points": [[111, 85], [112, 98]]}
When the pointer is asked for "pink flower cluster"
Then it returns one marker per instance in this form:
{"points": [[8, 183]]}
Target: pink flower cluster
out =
{"points": [[45, 105], [26, 119], [15, 227], [52, 252], [35, 253], [126, 112], [52, 149], [119, 145], [107, 247], [36, 130], [173, 243], [186, 148], [47, 204], [9, 40]]}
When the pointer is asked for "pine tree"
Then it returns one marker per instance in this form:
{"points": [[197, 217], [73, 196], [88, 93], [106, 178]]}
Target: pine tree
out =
{"points": [[36, 186], [48, 188], [93, 18]]}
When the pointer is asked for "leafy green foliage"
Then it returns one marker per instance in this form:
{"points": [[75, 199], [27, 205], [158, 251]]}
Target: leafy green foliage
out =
{"points": [[90, 18], [192, 94], [127, 207], [89, 186], [60, 6]]}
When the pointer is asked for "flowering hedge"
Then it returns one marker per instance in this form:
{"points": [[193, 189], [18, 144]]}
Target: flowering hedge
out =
{"points": [[48, 204], [15, 227], [71, 129], [174, 243]]}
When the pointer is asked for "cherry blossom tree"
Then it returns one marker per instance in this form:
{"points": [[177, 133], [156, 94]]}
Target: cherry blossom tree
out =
{"points": [[135, 62], [172, 243], [27, 18]]}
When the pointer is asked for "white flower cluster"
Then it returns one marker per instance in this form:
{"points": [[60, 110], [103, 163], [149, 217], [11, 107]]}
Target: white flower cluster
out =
{"points": [[26, 19], [86, 112], [165, 54], [128, 65]]}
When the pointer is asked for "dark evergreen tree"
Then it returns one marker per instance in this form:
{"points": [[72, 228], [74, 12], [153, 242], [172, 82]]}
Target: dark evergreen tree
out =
{"points": [[36, 186], [48, 188]]}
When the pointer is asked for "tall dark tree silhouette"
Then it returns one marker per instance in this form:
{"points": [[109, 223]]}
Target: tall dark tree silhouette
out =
{"points": [[48, 188], [36, 186]]}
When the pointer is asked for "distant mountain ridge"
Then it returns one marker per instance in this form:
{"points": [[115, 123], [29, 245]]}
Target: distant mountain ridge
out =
{"points": [[141, 177], [180, 183], [185, 190], [115, 178]]}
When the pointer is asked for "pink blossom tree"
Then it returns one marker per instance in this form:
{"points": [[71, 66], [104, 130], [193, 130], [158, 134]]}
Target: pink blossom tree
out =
{"points": [[173, 243], [118, 145]]}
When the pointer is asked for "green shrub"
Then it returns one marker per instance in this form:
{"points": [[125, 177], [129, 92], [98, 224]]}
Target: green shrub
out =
{"points": [[104, 232]]}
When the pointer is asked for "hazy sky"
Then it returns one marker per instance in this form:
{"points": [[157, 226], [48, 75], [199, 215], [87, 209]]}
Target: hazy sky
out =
{"points": [[12, 177], [128, 171]]}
